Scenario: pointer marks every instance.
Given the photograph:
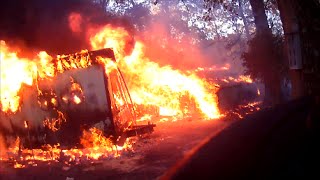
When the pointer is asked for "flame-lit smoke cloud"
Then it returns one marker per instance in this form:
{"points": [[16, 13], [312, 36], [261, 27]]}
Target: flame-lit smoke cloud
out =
{"points": [[75, 22], [57, 27], [61, 26], [169, 40], [47, 25]]}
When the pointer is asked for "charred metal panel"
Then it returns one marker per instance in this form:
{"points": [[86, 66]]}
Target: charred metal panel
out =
{"points": [[59, 108], [91, 90]]}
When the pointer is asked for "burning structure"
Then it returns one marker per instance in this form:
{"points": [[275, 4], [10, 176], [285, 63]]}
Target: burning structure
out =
{"points": [[84, 93], [80, 107]]}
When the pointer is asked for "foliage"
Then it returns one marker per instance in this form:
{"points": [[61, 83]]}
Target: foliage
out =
{"points": [[240, 11], [259, 62]]}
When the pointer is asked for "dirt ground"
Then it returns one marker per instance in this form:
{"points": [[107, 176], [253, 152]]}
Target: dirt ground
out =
{"points": [[152, 155]]}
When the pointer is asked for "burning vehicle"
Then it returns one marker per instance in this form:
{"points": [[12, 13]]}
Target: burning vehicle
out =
{"points": [[84, 93], [79, 104], [237, 94], [233, 95]]}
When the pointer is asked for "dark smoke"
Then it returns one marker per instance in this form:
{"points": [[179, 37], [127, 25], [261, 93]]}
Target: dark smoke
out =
{"points": [[43, 24]]}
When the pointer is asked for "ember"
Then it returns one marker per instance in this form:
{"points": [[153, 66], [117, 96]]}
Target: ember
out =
{"points": [[241, 78]]}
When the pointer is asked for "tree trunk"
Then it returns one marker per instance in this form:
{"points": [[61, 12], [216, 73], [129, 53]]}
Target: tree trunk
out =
{"points": [[244, 19], [260, 17], [301, 24], [292, 45], [271, 75]]}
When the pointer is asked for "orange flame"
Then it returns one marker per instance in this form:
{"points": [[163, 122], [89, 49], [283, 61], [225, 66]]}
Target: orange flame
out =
{"points": [[173, 91], [152, 84], [14, 73], [148, 82], [241, 78]]}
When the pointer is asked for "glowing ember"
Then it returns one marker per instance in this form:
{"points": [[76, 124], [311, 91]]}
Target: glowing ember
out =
{"points": [[241, 78], [25, 124], [245, 79], [98, 146], [17, 165], [95, 146], [54, 123], [214, 68], [253, 105], [76, 99], [246, 109]]}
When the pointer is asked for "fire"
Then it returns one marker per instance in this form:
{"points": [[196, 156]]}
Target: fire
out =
{"points": [[253, 105], [241, 78], [46, 68], [175, 92], [151, 84], [95, 146], [245, 79], [54, 123], [94, 138], [25, 124], [148, 82], [109, 37], [17, 165], [225, 67], [76, 99], [14, 73], [242, 110]]}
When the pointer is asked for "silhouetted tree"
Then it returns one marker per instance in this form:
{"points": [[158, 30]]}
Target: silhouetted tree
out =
{"points": [[264, 59]]}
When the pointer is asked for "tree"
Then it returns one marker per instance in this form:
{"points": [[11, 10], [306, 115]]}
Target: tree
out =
{"points": [[265, 60], [301, 24], [262, 60], [244, 19], [235, 17], [268, 67]]}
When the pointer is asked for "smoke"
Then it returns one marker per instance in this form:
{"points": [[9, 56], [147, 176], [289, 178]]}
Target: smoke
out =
{"points": [[52, 26], [60, 27], [170, 41]]}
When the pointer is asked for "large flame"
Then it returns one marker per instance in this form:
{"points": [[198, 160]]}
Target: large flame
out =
{"points": [[175, 92], [148, 82], [152, 84], [14, 72]]}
